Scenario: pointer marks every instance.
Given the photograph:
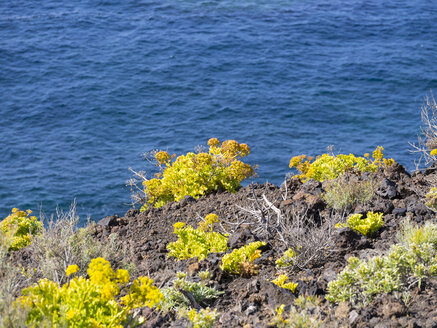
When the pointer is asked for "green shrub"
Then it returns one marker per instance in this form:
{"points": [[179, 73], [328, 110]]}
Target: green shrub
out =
{"points": [[327, 166], [305, 314], [204, 318], [197, 242], [409, 262], [240, 260], [431, 198], [344, 193], [280, 282], [174, 299], [197, 174], [287, 259], [367, 226], [93, 302], [19, 228]]}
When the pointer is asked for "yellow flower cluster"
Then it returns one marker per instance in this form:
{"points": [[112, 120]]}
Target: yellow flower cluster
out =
{"points": [[19, 228], [162, 157], [366, 226], [197, 242], [197, 174], [89, 302], [240, 260], [326, 166], [280, 282]]}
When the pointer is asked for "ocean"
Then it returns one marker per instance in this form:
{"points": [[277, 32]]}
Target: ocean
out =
{"points": [[87, 87]]}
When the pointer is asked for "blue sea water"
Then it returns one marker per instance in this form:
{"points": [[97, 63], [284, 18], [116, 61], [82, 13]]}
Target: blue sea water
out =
{"points": [[87, 86]]}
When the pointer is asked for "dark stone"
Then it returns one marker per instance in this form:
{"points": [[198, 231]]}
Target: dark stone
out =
{"points": [[239, 239], [387, 189], [186, 200], [312, 186], [275, 295], [384, 206], [109, 221], [400, 211], [132, 213]]}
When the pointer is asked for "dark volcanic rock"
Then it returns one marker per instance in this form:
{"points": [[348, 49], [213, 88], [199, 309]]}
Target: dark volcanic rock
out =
{"points": [[251, 301]]}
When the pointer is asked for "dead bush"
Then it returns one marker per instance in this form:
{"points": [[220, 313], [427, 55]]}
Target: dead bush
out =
{"points": [[427, 139]]}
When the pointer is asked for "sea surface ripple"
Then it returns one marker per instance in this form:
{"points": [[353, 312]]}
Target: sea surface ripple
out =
{"points": [[86, 87]]}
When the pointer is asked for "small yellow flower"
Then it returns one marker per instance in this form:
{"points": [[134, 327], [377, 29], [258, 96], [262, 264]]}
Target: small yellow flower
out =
{"points": [[433, 152], [213, 142], [123, 276], [71, 269], [178, 225], [162, 157]]}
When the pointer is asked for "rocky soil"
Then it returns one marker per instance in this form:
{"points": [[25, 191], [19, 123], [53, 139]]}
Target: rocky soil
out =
{"points": [[250, 302]]}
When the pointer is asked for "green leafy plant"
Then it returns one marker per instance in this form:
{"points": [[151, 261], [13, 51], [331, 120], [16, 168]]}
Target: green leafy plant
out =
{"points": [[92, 302], [409, 262], [287, 259], [240, 261], [280, 282], [431, 198], [197, 174], [366, 226], [304, 314], [174, 299], [197, 242], [345, 192], [327, 166], [19, 228], [203, 318]]}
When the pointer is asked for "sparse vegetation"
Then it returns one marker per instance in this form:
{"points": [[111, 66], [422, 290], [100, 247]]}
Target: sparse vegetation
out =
{"points": [[426, 146], [409, 262], [63, 244], [203, 318], [304, 314], [431, 199], [346, 191], [174, 296]]}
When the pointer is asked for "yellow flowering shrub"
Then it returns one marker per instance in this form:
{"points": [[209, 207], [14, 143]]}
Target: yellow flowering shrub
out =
{"points": [[197, 174], [366, 226], [19, 228], [280, 282], [326, 166], [197, 242], [240, 260], [92, 302]]}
